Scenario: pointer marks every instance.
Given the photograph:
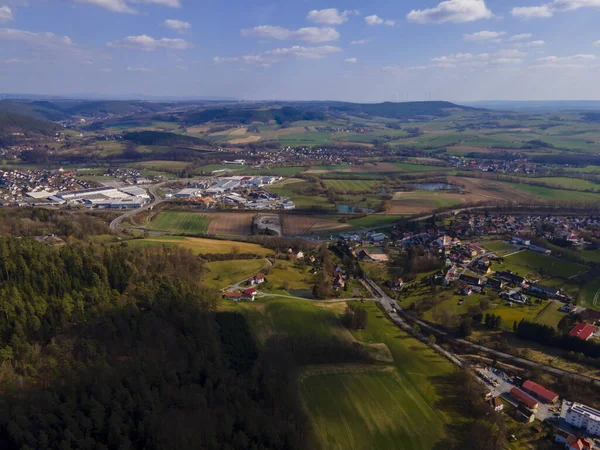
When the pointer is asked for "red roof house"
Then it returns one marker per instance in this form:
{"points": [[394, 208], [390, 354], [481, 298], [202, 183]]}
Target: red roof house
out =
{"points": [[539, 391], [523, 397], [583, 331]]}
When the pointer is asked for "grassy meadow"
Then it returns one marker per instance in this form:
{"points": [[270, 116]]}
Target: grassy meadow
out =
{"points": [[180, 222], [201, 246]]}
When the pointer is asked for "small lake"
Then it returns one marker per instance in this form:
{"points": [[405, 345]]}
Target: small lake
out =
{"points": [[345, 209], [435, 186]]}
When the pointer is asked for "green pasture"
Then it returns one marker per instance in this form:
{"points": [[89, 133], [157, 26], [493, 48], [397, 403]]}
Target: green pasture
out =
{"points": [[221, 274], [180, 222], [352, 411], [545, 265], [351, 185]]}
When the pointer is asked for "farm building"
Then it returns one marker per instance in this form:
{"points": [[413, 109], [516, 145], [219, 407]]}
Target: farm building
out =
{"points": [[259, 278], [376, 237], [524, 398], [497, 404], [582, 331], [572, 442], [539, 391]]}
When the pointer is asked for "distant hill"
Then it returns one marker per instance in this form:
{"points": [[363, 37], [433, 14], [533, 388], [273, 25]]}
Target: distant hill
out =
{"points": [[249, 115], [399, 110], [12, 126], [16, 123], [114, 107], [57, 110], [163, 139], [40, 110]]}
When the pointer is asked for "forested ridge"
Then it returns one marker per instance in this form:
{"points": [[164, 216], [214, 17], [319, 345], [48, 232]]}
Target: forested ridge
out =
{"points": [[108, 347]]}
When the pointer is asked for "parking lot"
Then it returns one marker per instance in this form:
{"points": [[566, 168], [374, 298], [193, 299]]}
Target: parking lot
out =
{"points": [[500, 385]]}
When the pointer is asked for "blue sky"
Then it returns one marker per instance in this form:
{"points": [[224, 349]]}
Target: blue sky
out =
{"points": [[458, 50]]}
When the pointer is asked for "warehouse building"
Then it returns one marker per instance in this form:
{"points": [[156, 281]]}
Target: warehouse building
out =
{"points": [[540, 392], [524, 398]]}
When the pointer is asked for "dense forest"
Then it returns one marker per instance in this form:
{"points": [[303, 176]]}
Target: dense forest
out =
{"points": [[109, 347], [13, 124]]}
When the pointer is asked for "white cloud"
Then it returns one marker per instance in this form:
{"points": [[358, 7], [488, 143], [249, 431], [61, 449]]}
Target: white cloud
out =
{"points": [[520, 37], [313, 35], [118, 6], [483, 35], [581, 61], [220, 59], [149, 44], [5, 14], [376, 20], [455, 11], [15, 61], [46, 41], [507, 61], [177, 25], [532, 12], [169, 3], [531, 44], [351, 60], [106, 70], [122, 6], [279, 54], [330, 16], [459, 57], [305, 52], [137, 69], [366, 41], [597, 43], [548, 9], [580, 57], [511, 53]]}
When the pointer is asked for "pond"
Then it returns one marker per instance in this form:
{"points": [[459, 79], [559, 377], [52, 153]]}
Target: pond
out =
{"points": [[435, 186], [345, 209]]}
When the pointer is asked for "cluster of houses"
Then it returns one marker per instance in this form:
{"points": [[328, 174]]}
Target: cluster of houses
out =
{"points": [[571, 229]]}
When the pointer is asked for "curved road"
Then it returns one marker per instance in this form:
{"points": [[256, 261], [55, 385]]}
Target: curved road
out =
{"points": [[156, 200]]}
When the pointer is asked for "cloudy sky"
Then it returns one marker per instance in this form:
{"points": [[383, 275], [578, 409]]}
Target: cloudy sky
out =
{"points": [[376, 50]]}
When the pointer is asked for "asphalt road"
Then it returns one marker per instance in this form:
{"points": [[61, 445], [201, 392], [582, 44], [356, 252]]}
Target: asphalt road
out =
{"points": [[156, 200]]}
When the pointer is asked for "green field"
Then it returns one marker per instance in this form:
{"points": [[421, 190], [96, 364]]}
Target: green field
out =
{"points": [[221, 274], [570, 183], [374, 220], [512, 313], [370, 411], [551, 315], [498, 246], [365, 406], [180, 222], [556, 194], [200, 246], [351, 185], [285, 278], [545, 265], [587, 295]]}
